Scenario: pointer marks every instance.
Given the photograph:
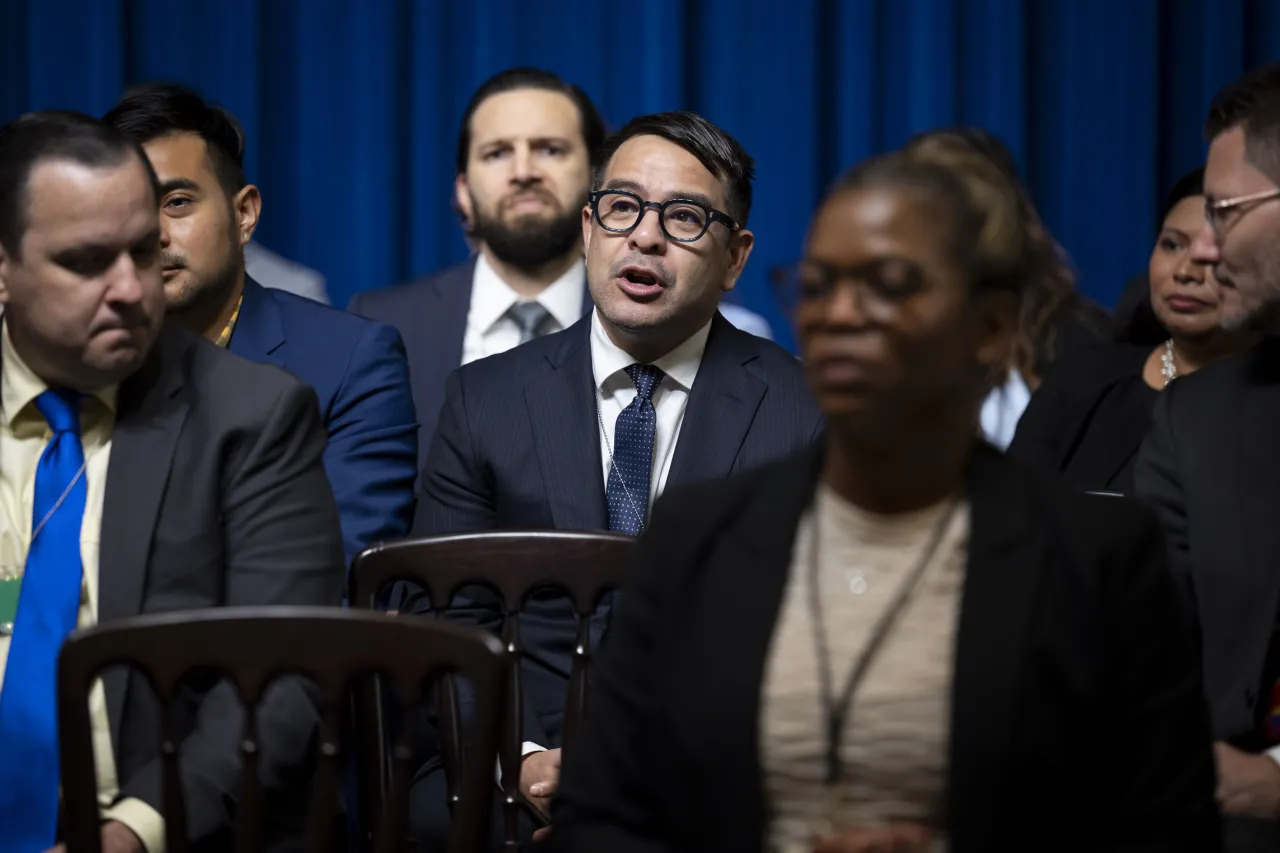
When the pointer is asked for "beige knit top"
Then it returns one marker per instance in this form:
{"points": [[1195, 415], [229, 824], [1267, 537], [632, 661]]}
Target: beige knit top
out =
{"points": [[897, 735]]}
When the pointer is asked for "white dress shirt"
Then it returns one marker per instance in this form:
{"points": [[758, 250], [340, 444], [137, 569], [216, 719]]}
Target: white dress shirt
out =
{"points": [[1003, 408], [489, 329], [615, 391]]}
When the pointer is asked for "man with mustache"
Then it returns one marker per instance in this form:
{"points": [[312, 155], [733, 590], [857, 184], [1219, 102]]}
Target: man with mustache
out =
{"points": [[141, 471], [1211, 463], [524, 161], [583, 429], [357, 367]]}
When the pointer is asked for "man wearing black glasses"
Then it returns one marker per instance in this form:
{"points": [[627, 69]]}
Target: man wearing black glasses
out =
{"points": [[1211, 464], [582, 429]]}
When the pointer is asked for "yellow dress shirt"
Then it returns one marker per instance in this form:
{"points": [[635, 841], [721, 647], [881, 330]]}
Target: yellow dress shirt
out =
{"points": [[23, 436], [224, 337]]}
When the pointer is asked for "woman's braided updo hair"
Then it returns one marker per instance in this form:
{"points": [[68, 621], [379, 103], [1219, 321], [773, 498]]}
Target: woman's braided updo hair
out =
{"points": [[1014, 230]]}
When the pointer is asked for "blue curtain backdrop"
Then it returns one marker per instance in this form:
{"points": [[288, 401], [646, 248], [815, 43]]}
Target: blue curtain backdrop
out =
{"points": [[352, 106]]}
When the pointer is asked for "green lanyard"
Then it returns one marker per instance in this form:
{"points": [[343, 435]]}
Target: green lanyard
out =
{"points": [[8, 603], [9, 587]]}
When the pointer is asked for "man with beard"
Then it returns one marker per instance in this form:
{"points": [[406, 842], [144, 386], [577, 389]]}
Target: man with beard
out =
{"points": [[524, 163], [357, 367], [1211, 464], [583, 429]]}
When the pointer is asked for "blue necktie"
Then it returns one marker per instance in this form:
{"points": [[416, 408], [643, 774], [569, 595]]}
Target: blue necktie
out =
{"points": [[47, 608], [627, 493]]}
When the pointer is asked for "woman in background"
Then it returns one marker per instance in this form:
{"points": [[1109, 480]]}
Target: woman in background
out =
{"points": [[898, 640], [1054, 319], [1089, 417]]}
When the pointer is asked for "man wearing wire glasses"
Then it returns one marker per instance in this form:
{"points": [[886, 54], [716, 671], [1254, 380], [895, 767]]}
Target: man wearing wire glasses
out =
{"points": [[584, 428], [1211, 464]]}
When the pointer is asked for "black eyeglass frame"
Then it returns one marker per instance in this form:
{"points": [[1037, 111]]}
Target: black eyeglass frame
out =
{"points": [[712, 215]]}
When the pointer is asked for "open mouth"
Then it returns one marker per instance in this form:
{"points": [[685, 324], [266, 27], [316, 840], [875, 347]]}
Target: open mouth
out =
{"points": [[636, 275], [640, 282]]}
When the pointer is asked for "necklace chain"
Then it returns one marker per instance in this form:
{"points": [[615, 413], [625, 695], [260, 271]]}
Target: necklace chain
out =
{"points": [[613, 466], [6, 628], [1168, 367], [837, 707]]}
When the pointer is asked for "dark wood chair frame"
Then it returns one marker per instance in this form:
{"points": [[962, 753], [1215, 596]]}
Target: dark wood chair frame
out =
{"points": [[336, 650]]}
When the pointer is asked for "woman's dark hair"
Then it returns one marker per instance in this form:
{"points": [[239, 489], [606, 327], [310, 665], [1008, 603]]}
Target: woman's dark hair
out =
{"points": [[984, 238], [515, 79], [1188, 186], [152, 110], [716, 150], [1049, 282], [1135, 319]]}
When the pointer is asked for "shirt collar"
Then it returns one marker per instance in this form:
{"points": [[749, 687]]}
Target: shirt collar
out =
{"points": [[19, 385], [224, 337], [491, 297], [680, 364]]}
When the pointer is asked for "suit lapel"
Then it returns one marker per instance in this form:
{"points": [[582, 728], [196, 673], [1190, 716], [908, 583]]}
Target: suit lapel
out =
{"points": [[1107, 455], [722, 405], [1121, 404], [998, 605], [148, 424], [259, 332], [566, 432]]}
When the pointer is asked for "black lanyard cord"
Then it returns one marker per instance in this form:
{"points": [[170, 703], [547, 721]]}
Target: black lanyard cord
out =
{"points": [[837, 710]]}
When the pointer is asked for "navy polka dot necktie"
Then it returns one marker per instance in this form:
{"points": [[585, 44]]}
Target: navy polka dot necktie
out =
{"points": [[627, 493]]}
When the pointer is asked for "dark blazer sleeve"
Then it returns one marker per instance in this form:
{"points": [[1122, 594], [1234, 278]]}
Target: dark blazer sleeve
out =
{"points": [[1156, 482], [456, 494], [1160, 733], [610, 789], [457, 497], [283, 547], [372, 454]]}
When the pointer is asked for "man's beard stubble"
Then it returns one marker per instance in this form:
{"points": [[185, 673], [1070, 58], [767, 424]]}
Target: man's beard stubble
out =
{"points": [[199, 293], [531, 242], [1264, 316]]}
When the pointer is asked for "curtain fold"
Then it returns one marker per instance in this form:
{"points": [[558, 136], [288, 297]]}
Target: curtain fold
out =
{"points": [[351, 107]]}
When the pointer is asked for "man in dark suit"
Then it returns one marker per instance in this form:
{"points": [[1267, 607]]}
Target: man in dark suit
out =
{"points": [[584, 428], [141, 471], [524, 164], [357, 368], [1211, 466]]}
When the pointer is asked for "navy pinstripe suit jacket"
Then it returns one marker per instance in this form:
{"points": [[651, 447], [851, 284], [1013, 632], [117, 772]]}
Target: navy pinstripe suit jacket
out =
{"points": [[517, 445]]}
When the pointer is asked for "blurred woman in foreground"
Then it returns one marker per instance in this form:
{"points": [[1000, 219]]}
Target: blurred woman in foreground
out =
{"points": [[899, 641]]}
